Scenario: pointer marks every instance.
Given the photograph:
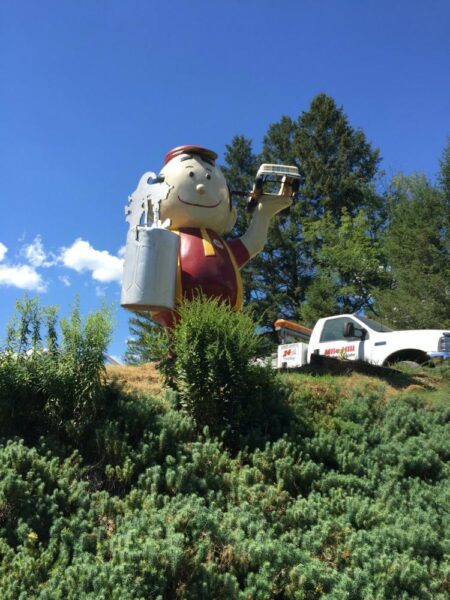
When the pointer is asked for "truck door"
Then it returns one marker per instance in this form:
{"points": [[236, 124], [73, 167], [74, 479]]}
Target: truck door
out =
{"points": [[332, 342]]}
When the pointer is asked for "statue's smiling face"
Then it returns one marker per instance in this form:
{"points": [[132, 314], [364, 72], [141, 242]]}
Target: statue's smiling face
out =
{"points": [[198, 195]]}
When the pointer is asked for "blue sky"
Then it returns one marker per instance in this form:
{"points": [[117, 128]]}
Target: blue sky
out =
{"points": [[94, 93]]}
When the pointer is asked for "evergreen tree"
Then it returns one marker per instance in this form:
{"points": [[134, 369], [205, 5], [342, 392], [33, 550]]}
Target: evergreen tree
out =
{"points": [[338, 167], [444, 174], [417, 248], [337, 162], [145, 343], [239, 170]]}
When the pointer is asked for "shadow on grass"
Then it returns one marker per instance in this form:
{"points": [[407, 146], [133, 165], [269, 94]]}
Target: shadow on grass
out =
{"points": [[274, 418], [324, 365]]}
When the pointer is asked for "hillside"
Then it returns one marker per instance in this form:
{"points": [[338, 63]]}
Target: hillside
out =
{"points": [[340, 492], [427, 383], [138, 378]]}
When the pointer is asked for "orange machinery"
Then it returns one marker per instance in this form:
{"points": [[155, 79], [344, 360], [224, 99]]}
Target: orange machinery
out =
{"points": [[289, 332]]}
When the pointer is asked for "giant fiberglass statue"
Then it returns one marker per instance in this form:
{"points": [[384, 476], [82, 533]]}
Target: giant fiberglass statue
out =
{"points": [[175, 244]]}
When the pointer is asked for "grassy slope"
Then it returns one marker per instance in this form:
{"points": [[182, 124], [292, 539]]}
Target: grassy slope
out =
{"points": [[340, 381], [139, 378]]}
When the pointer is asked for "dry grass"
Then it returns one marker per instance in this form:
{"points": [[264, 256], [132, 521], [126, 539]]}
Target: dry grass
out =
{"points": [[139, 378], [145, 379]]}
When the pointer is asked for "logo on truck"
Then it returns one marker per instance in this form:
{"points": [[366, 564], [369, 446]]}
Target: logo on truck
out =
{"points": [[289, 352], [333, 351]]}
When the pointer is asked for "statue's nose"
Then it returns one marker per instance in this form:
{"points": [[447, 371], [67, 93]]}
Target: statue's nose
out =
{"points": [[200, 188]]}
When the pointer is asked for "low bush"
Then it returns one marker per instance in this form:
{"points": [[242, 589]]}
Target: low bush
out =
{"points": [[348, 512], [346, 497]]}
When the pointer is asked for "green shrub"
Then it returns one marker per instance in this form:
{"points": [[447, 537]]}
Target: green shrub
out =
{"points": [[218, 385], [291, 519], [58, 386], [354, 506]]}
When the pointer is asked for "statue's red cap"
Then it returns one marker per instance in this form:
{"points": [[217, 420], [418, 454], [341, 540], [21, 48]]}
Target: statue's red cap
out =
{"points": [[203, 152]]}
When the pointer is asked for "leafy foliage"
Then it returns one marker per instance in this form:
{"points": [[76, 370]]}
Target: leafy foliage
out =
{"points": [[417, 249], [444, 172], [349, 267], [57, 387], [345, 498], [218, 385]]}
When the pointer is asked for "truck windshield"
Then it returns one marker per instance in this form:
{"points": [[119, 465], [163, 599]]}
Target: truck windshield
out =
{"points": [[374, 325]]}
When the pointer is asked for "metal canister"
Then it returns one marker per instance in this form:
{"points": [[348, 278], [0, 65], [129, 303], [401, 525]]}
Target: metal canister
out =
{"points": [[150, 268]]}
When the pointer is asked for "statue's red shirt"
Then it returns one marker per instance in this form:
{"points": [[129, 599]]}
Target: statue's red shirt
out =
{"points": [[207, 263]]}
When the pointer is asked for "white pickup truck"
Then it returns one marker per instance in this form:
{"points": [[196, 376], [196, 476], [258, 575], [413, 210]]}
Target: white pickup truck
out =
{"points": [[358, 338]]}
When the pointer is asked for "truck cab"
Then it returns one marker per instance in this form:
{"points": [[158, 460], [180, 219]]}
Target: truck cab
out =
{"points": [[359, 338]]}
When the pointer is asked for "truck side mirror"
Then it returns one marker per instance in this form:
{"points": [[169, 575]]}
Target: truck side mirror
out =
{"points": [[349, 330]]}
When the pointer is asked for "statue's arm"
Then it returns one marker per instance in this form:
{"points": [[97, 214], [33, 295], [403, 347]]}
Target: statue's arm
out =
{"points": [[256, 235]]}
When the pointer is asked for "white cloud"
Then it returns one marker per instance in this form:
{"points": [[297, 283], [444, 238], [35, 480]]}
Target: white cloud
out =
{"points": [[121, 252], [81, 256], [23, 277], [36, 255], [65, 280], [3, 251]]}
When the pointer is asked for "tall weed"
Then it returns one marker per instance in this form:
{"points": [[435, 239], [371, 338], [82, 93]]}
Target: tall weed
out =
{"points": [[50, 382]]}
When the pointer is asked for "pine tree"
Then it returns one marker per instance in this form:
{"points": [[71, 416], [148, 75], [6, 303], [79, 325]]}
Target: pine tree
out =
{"points": [[417, 249], [444, 174], [338, 167], [337, 162], [145, 342], [240, 168]]}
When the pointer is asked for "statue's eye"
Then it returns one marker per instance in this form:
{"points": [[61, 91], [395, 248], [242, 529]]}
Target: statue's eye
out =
{"points": [[208, 176], [191, 173]]}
